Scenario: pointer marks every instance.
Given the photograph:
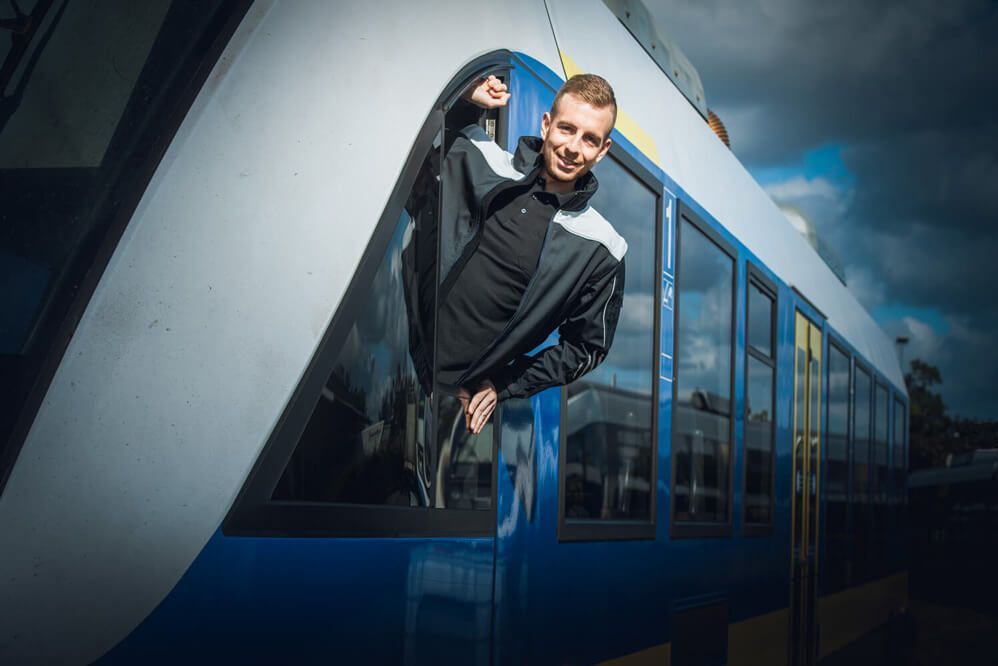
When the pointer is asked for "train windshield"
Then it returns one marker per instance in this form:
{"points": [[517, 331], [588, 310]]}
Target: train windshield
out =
{"points": [[88, 92]]}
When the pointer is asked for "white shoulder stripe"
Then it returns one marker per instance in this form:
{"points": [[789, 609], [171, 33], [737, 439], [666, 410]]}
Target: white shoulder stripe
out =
{"points": [[588, 223], [498, 159]]}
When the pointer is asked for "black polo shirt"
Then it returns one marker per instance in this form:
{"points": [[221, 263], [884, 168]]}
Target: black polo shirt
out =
{"points": [[485, 295]]}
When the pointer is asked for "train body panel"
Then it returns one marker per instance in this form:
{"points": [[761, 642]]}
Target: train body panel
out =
{"points": [[215, 308]]}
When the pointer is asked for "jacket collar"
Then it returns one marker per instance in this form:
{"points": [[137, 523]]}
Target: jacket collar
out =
{"points": [[528, 160]]}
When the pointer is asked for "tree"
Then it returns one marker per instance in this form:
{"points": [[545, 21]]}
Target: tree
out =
{"points": [[928, 436]]}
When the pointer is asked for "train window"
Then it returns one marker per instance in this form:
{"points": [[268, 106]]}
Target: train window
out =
{"points": [[862, 426], [760, 386], [898, 449], [881, 451], [380, 448], [368, 438], [91, 95], [702, 417], [837, 470], [761, 309], [608, 451]]}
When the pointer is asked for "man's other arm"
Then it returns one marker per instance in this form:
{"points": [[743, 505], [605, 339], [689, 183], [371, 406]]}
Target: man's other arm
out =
{"points": [[584, 340]]}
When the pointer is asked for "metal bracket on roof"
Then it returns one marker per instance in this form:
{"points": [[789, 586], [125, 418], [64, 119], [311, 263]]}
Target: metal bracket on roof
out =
{"points": [[666, 54]]}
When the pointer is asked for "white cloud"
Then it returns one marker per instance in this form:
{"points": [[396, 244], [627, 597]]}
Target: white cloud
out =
{"points": [[865, 286], [801, 187]]}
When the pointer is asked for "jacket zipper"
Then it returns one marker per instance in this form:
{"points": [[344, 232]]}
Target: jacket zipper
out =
{"points": [[519, 308]]}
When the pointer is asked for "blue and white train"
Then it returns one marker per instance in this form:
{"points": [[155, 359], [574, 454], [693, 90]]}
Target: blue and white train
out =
{"points": [[217, 447]]}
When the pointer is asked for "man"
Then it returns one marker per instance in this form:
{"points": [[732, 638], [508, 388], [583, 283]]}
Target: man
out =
{"points": [[523, 253]]}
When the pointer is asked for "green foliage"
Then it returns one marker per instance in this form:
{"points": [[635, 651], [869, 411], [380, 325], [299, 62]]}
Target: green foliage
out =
{"points": [[932, 433]]}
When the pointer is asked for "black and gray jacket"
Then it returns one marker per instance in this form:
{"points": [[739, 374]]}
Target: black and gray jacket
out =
{"points": [[577, 287]]}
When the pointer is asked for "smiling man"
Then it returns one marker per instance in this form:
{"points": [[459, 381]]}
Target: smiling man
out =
{"points": [[524, 254]]}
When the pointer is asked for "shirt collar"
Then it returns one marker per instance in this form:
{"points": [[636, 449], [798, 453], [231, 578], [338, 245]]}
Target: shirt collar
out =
{"points": [[528, 159]]}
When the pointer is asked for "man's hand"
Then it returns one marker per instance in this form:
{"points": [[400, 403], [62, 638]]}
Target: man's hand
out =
{"points": [[489, 93], [479, 410]]}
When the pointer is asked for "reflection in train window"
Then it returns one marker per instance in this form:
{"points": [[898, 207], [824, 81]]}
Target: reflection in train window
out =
{"points": [[880, 445], [368, 439], [898, 449], [704, 343], [609, 452], [760, 384], [382, 431], [836, 571], [862, 426]]}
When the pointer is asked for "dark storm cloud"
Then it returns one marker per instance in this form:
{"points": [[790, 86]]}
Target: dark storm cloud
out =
{"points": [[909, 91]]}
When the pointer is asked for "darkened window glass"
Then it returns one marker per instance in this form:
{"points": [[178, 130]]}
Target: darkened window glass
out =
{"points": [[760, 379], [89, 96], [702, 429], [837, 447], [861, 510], [898, 450], [880, 444], [608, 422], [368, 439], [837, 567], [760, 320], [382, 432], [861, 435], [758, 441]]}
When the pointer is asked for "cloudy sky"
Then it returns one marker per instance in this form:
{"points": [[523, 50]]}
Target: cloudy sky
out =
{"points": [[879, 121]]}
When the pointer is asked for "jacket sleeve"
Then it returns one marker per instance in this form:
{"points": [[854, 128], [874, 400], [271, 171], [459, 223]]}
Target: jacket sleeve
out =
{"points": [[584, 341]]}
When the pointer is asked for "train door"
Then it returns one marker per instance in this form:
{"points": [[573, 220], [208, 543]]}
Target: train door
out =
{"points": [[806, 486]]}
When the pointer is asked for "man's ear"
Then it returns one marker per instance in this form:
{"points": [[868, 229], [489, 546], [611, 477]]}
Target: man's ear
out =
{"points": [[545, 124], [605, 149]]}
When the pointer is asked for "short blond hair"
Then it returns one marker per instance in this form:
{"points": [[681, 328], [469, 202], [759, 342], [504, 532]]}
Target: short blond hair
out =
{"points": [[590, 88]]}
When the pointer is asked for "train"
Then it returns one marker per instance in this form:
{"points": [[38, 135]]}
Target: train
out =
{"points": [[219, 445]]}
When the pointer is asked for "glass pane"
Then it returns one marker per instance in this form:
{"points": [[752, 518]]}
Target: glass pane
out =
{"points": [[760, 320], [369, 438], [837, 446], [758, 441], [87, 90], [898, 449], [609, 416], [880, 445], [702, 443], [861, 434]]}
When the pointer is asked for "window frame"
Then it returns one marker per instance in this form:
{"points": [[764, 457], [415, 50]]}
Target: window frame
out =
{"points": [[755, 278], [621, 530], [702, 529], [88, 267], [254, 513]]}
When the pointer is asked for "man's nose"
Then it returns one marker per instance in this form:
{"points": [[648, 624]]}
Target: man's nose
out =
{"points": [[573, 145]]}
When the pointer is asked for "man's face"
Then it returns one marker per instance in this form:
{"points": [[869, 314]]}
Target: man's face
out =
{"points": [[575, 138]]}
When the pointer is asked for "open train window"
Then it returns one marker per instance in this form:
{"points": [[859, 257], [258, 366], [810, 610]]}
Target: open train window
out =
{"points": [[91, 94], [702, 420], [760, 402], [609, 421], [370, 444]]}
